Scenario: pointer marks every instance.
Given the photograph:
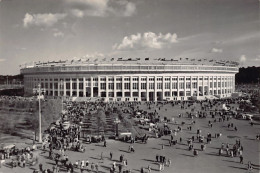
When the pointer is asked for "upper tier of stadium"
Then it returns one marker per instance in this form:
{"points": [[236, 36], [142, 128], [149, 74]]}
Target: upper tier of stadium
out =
{"points": [[132, 61]]}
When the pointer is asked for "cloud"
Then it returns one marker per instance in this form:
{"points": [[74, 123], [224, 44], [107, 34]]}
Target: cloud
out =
{"points": [[1, 60], [124, 8], [216, 50], [78, 13], [21, 48], [257, 58], [147, 40], [58, 34], [100, 8], [244, 38], [130, 9], [46, 19], [87, 7], [217, 42], [242, 58], [81, 8], [94, 55]]}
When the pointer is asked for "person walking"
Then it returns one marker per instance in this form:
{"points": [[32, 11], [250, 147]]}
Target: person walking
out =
{"points": [[114, 166], [111, 155], [87, 163], [53, 168], [249, 166], [81, 169], [149, 169], [101, 156], [119, 168], [96, 166], [40, 167], [125, 162], [111, 170], [160, 167], [142, 170], [169, 162], [241, 159], [92, 167]]}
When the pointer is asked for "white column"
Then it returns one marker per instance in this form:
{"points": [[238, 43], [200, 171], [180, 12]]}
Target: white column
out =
{"points": [[59, 85], [234, 83], [77, 87], [139, 88], [91, 86], [147, 88], [171, 88], [198, 86], [123, 86], [191, 89], [84, 86], [213, 88], [217, 85], [209, 85], [64, 87], [53, 92], [178, 87], [202, 85], [184, 86], [163, 87], [131, 88], [115, 86], [155, 88], [70, 86], [106, 86], [48, 86], [231, 85], [99, 93], [221, 85]]}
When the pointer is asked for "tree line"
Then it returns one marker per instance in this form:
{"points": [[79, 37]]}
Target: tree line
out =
{"points": [[248, 75]]}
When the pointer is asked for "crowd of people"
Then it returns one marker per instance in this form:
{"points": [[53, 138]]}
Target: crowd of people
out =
{"points": [[19, 157], [65, 134]]}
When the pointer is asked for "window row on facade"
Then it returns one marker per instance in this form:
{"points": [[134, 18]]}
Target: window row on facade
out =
{"points": [[135, 86], [129, 79]]}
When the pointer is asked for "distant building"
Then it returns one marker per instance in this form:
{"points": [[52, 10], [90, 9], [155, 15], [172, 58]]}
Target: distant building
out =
{"points": [[133, 79]]}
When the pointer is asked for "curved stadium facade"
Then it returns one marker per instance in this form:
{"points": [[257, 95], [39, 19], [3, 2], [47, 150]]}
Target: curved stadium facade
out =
{"points": [[133, 79]]}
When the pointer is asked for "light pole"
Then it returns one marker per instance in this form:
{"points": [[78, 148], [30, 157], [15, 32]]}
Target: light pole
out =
{"points": [[40, 116], [39, 90], [117, 121]]}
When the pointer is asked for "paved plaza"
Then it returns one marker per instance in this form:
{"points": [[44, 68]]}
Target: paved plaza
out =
{"points": [[182, 160]]}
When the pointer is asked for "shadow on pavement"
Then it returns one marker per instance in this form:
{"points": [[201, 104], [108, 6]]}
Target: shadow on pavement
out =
{"points": [[187, 155], [238, 167]]}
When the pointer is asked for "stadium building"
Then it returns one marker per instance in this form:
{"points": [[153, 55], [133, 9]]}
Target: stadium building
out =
{"points": [[133, 79]]}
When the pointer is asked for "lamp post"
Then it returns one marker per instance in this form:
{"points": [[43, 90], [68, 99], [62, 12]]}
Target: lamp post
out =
{"points": [[117, 121], [39, 90], [40, 116]]}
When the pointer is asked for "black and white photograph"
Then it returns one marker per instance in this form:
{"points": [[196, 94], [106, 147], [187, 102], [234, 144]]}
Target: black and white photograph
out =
{"points": [[129, 86]]}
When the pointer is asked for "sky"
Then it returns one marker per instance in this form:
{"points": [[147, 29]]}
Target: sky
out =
{"points": [[52, 30]]}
